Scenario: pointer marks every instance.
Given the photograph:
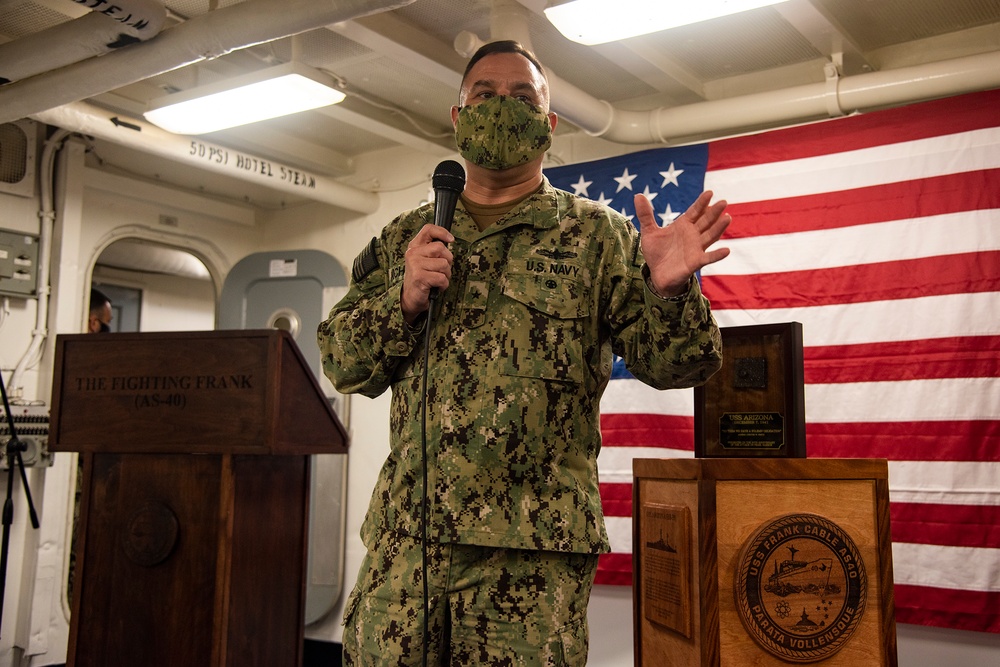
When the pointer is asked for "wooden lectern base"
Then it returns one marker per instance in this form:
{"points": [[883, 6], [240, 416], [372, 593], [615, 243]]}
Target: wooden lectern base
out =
{"points": [[191, 561], [746, 562]]}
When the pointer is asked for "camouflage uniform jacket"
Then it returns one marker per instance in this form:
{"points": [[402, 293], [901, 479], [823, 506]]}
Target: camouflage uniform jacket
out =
{"points": [[520, 353]]}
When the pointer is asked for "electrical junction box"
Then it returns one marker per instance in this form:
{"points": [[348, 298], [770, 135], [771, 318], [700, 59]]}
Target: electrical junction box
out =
{"points": [[31, 422], [18, 264]]}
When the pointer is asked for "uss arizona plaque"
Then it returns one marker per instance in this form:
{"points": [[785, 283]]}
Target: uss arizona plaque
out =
{"points": [[755, 405]]}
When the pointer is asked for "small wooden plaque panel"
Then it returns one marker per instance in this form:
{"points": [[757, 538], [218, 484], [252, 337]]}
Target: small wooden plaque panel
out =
{"points": [[667, 556], [754, 407]]}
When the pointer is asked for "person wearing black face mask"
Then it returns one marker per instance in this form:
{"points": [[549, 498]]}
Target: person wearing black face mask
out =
{"points": [[100, 312]]}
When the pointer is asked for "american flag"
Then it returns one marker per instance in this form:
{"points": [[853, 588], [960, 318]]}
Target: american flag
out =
{"points": [[880, 233]]}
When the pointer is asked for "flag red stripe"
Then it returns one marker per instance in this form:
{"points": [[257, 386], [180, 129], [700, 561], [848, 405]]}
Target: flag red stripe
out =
{"points": [[614, 570], [881, 281], [905, 441], [918, 605], [616, 498], [972, 440], [946, 525], [920, 121], [905, 200], [647, 430], [948, 608], [960, 356]]}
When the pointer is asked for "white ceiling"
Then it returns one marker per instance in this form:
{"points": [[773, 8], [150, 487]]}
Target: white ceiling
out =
{"points": [[400, 69]]}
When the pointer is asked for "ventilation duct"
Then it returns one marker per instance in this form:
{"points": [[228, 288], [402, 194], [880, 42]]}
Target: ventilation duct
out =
{"points": [[18, 150]]}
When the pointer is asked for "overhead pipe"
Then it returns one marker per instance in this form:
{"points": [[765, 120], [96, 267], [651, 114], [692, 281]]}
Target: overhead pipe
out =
{"points": [[834, 97], [862, 92], [107, 27], [94, 121], [204, 37]]}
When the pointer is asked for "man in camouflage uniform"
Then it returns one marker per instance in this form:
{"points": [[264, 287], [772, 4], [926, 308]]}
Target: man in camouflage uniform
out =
{"points": [[537, 288]]}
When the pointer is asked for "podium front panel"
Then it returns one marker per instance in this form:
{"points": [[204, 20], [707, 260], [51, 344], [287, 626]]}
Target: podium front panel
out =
{"points": [[219, 392]]}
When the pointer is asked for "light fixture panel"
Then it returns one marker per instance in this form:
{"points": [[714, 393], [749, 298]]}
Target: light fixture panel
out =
{"points": [[267, 93], [593, 22]]}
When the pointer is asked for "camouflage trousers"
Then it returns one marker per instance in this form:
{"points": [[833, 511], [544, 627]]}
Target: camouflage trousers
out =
{"points": [[488, 606]]}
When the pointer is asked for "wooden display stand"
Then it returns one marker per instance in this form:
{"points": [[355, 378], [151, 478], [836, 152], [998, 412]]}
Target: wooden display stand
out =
{"points": [[753, 562], [193, 530]]}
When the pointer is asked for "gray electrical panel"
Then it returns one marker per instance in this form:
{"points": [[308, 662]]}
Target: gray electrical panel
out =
{"points": [[18, 264], [32, 426]]}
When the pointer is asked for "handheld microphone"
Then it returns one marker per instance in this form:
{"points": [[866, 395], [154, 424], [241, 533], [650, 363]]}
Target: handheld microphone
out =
{"points": [[448, 182]]}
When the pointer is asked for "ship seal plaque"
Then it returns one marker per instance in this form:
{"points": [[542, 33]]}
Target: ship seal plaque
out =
{"points": [[800, 587], [150, 534]]}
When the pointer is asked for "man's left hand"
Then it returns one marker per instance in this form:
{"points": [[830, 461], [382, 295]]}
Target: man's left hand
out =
{"points": [[676, 251]]}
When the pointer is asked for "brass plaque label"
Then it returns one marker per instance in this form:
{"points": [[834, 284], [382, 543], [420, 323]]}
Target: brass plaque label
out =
{"points": [[751, 430], [800, 587]]}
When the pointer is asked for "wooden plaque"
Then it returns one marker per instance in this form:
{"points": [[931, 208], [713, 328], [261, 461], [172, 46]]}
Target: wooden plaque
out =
{"points": [[667, 553], [754, 407], [787, 561]]}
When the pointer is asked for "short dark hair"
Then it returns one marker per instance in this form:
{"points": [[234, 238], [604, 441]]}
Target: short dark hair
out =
{"points": [[97, 299], [502, 46]]}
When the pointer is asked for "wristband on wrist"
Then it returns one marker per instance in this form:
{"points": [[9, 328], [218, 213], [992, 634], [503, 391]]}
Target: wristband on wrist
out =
{"points": [[680, 297]]}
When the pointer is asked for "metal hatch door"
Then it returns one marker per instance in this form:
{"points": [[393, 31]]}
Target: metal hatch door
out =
{"points": [[294, 291]]}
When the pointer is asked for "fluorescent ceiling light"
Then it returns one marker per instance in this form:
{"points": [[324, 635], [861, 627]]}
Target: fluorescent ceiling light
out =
{"points": [[599, 21], [267, 93]]}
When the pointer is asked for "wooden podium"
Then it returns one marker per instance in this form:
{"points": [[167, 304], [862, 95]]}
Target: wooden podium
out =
{"points": [[193, 531], [762, 562]]}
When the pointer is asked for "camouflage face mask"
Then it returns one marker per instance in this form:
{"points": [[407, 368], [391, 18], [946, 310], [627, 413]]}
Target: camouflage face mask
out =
{"points": [[502, 132]]}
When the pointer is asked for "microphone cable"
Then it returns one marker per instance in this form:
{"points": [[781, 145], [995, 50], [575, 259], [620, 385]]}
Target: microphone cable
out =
{"points": [[448, 182], [424, 498]]}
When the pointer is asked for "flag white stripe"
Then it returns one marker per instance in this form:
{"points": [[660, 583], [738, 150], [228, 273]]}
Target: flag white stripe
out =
{"points": [[630, 396], [880, 321], [965, 568], [619, 533], [614, 464], [964, 482], [943, 497], [891, 163], [931, 236], [947, 399], [943, 399]]}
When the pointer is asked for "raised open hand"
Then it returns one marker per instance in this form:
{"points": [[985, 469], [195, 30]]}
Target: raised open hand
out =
{"points": [[676, 251]]}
